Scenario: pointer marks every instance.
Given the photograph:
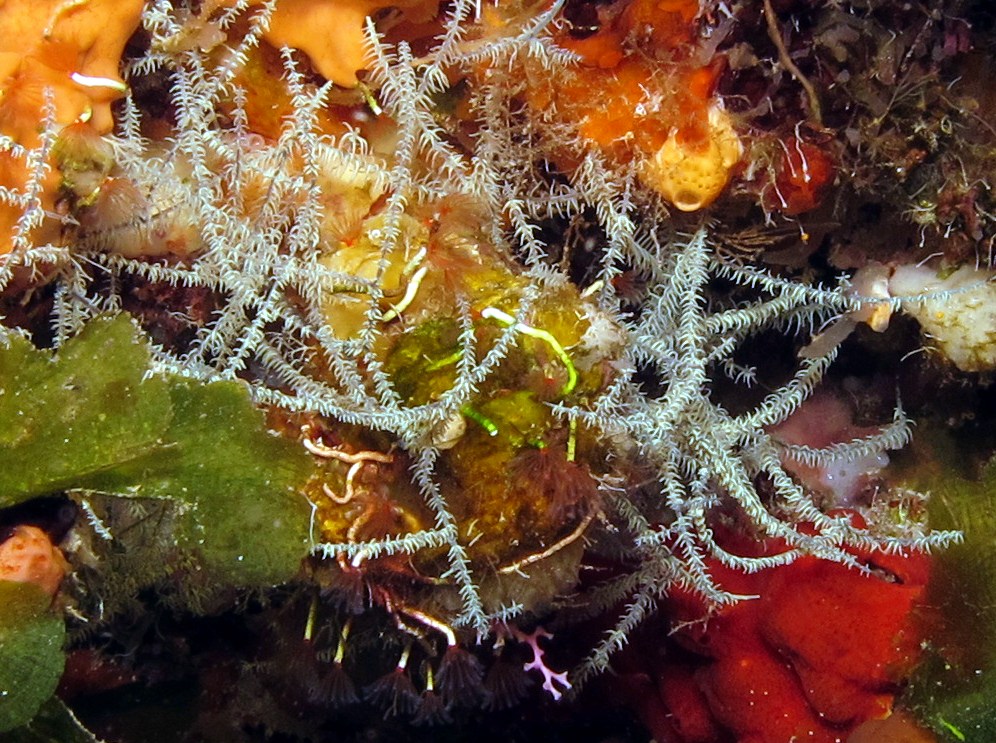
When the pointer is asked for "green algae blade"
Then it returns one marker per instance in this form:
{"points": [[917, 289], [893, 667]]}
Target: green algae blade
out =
{"points": [[31, 658], [89, 418], [242, 517], [54, 723], [81, 411]]}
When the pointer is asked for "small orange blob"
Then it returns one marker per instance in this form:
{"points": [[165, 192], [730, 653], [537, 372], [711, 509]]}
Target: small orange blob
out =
{"points": [[30, 557], [898, 727]]}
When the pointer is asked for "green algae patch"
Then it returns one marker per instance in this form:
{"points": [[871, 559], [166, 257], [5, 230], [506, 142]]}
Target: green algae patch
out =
{"points": [[31, 658], [91, 418], [54, 723], [954, 690], [85, 410], [241, 515]]}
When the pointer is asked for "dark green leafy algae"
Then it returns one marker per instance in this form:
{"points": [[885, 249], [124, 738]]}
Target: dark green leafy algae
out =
{"points": [[90, 419], [71, 417], [243, 519], [180, 478], [54, 723]]}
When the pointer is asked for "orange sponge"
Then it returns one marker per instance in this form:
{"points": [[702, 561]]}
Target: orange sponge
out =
{"points": [[73, 47], [30, 557]]}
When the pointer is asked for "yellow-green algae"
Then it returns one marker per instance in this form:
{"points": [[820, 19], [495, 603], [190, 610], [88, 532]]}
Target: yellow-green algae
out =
{"points": [[518, 479]]}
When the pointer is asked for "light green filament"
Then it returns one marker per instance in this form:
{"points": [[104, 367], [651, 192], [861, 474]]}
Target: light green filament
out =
{"points": [[482, 420], [493, 313]]}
